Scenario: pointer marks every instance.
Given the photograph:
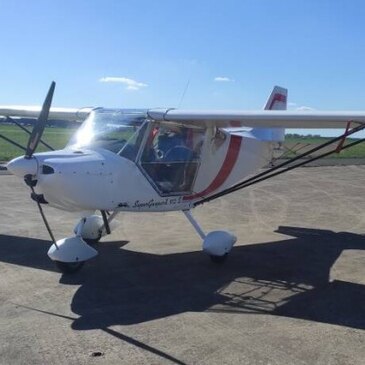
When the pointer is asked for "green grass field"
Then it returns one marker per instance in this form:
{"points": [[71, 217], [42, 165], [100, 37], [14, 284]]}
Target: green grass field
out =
{"points": [[55, 137], [358, 151], [58, 138]]}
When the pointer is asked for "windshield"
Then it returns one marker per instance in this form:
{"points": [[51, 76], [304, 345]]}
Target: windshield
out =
{"points": [[111, 129]]}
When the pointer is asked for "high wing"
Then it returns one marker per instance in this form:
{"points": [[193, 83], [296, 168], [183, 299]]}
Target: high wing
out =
{"points": [[70, 114], [260, 118]]}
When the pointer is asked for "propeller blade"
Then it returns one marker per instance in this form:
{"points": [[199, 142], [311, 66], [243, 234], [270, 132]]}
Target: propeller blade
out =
{"points": [[40, 124]]}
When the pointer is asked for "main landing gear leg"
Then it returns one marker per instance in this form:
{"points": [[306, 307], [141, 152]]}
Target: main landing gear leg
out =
{"points": [[216, 244]]}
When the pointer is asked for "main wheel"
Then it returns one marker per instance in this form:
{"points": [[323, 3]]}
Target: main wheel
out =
{"points": [[218, 259], [69, 267]]}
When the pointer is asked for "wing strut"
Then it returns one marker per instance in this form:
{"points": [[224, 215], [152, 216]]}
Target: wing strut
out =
{"points": [[8, 119], [12, 142], [271, 172]]}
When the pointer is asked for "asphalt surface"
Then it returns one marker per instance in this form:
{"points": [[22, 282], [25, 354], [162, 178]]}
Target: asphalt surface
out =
{"points": [[291, 292]]}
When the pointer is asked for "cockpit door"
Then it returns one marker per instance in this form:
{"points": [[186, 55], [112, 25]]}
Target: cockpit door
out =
{"points": [[171, 157]]}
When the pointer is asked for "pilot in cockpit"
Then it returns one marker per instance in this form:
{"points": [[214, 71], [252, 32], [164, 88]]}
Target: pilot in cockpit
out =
{"points": [[172, 145], [167, 156]]}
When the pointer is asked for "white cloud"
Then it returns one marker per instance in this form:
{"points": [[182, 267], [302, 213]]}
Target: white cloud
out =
{"points": [[130, 84], [299, 108], [304, 109], [223, 79]]}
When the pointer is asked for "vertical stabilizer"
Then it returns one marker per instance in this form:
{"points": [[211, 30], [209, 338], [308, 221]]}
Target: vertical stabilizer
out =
{"points": [[277, 99]]}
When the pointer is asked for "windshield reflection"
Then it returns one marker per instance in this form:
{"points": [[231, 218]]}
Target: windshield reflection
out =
{"points": [[111, 129]]}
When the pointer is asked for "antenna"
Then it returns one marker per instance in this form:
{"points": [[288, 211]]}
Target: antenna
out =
{"points": [[185, 90]]}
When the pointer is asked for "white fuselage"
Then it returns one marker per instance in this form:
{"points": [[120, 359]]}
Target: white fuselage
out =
{"points": [[101, 180], [121, 161]]}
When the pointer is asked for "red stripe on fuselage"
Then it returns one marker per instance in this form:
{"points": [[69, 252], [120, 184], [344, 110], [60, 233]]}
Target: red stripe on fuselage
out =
{"points": [[226, 168]]}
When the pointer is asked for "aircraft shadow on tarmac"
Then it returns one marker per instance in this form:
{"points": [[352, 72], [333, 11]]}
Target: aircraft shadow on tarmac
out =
{"points": [[285, 278]]}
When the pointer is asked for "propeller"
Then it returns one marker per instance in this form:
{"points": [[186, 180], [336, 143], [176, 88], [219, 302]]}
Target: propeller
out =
{"points": [[38, 128], [33, 141]]}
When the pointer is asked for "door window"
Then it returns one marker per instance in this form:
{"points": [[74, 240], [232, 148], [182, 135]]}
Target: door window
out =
{"points": [[171, 157]]}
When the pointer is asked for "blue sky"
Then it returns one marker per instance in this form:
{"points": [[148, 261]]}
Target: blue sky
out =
{"points": [[315, 48]]}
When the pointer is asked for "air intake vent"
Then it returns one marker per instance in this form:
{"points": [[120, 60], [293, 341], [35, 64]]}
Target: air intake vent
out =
{"points": [[47, 170]]}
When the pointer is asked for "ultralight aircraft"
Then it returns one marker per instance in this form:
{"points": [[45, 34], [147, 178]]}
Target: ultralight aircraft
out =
{"points": [[157, 160]]}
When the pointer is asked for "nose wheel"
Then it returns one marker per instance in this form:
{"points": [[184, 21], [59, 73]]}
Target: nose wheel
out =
{"points": [[70, 254], [218, 259], [69, 267]]}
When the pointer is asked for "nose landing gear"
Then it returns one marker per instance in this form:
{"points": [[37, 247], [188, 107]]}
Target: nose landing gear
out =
{"points": [[69, 267], [70, 254]]}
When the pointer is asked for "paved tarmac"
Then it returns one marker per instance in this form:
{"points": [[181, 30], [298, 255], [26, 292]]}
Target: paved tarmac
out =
{"points": [[291, 292]]}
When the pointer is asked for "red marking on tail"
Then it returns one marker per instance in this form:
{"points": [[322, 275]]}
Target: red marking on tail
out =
{"points": [[277, 97]]}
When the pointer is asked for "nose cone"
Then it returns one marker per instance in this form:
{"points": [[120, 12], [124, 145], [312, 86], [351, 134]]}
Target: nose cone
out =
{"points": [[22, 166]]}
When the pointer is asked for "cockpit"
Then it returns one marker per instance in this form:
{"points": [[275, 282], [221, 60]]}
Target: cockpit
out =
{"points": [[168, 154]]}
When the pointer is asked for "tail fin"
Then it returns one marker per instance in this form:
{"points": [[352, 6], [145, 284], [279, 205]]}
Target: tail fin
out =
{"points": [[277, 99]]}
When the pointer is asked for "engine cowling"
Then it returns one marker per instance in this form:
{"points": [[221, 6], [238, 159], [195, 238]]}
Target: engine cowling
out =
{"points": [[218, 243]]}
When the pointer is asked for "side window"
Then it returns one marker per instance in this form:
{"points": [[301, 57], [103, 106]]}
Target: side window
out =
{"points": [[171, 157], [131, 148]]}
